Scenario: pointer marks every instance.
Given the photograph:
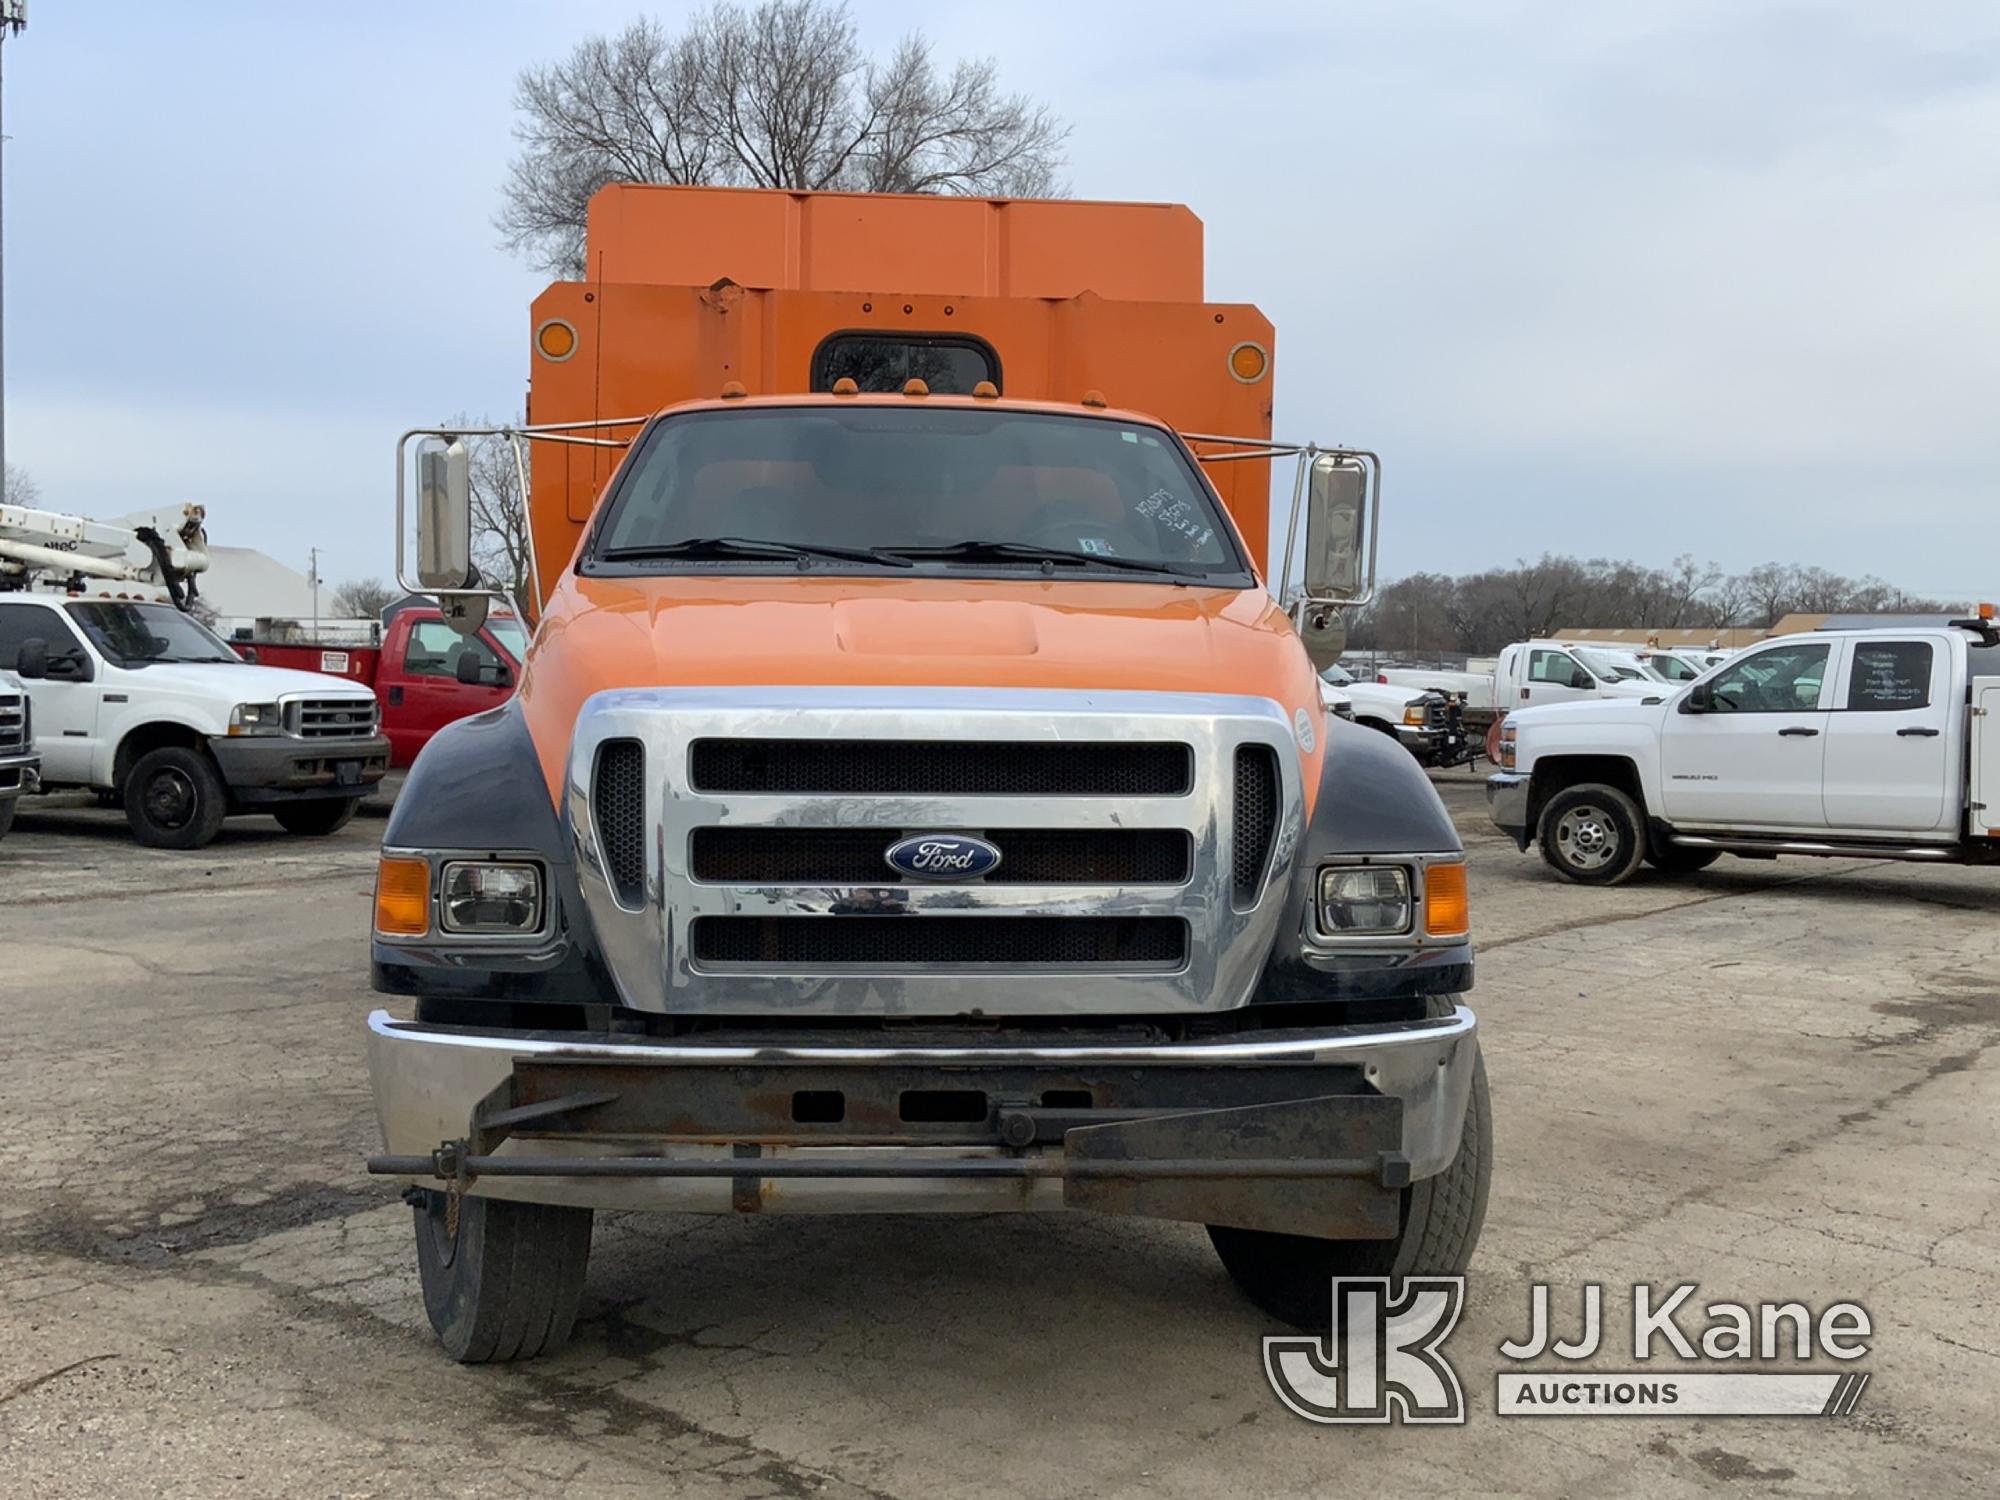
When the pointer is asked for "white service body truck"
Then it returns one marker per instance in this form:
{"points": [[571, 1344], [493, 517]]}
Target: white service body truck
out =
{"points": [[134, 697], [1880, 744]]}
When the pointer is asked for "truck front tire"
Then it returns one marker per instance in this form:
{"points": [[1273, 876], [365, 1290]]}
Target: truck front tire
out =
{"points": [[503, 1283], [1593, 834], [313, 819], [174, 799], [1290, 1275]]}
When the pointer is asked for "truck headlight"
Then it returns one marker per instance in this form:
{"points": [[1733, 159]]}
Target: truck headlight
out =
{"points": [[1416, 715], [1507, 747], [490, 896], [1357, 900], [255, 718]]}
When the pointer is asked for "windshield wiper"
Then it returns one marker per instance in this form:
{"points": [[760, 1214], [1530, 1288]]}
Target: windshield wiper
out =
{"points": [[1029, 552], [742, 546]]}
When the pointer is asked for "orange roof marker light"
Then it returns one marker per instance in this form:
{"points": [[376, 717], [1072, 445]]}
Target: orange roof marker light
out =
{"points": [[845, 386], [556, 339], [986, 390], [1094, 398], [915, 387], [1986, 610], [734, 390], [1249, 363]]}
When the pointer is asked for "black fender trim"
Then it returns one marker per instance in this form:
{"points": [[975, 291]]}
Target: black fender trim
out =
{"points": [[1373, 799], [478, 786]]}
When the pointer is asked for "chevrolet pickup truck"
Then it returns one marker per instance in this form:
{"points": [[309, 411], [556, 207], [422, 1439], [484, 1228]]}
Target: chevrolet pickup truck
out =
{"points": [[914, 799], [1861, 744]]}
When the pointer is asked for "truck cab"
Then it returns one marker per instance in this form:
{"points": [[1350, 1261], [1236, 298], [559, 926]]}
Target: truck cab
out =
{"points": [[1860, 743], [915, 799]]}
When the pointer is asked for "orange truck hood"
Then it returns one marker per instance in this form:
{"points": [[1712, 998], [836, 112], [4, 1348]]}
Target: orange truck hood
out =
{"points": [[786, 630]]}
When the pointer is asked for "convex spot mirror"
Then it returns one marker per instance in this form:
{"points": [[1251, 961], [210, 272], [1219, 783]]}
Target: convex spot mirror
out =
{"points": [[1336, 522], [1324, 633]]}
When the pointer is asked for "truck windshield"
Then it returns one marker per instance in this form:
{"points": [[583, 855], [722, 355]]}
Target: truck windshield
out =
{"points": [[134, 634], [868, 488], [1609, 667]]}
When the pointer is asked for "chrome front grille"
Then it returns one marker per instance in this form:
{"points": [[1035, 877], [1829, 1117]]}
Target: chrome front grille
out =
{"points": [[330, 718], [729, 855], [13, 722], [943, 767], [747, 874]]}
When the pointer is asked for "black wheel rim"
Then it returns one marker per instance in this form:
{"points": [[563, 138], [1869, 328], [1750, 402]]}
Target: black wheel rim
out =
{"points": [[170, 799]]}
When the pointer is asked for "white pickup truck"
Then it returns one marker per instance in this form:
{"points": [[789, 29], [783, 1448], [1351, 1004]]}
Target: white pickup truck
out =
{"points": [[142, 701], [20, 767], [1880, 744], [1420, 720], [1533, 672]]}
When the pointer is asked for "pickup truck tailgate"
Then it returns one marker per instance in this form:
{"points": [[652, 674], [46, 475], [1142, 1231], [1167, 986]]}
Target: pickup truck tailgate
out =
{"points": [[1985, 818]]}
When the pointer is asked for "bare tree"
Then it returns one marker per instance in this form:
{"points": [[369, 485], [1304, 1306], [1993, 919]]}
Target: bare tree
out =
{"points": [[781, 96], [364, 598], [20, 487]]}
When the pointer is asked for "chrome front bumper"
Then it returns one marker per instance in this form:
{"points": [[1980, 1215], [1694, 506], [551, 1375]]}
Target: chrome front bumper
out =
{"points": [[20, 771], [430, 1083], [1507, 804]]}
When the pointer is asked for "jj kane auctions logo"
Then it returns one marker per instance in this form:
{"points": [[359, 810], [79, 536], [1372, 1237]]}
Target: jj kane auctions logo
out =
{"points": [[1383, 1358]]}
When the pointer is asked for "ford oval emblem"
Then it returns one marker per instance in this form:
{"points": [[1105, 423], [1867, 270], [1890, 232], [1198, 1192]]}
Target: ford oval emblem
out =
{"points": [[942, 856]]}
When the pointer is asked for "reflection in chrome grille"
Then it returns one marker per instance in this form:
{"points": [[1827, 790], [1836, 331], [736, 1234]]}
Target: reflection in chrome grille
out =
{"points": [[618, 806], [944, 942], [737, 855], [941, 768], [331, 718]]}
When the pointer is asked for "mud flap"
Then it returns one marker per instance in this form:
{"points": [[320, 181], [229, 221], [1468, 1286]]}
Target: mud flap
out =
{"points": [[1332, 1168]]}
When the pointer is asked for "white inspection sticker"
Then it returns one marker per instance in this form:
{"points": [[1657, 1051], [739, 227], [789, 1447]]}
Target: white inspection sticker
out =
{"points": [[1304, 726]]}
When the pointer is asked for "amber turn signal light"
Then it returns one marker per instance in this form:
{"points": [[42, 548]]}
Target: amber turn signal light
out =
{"points": [[1248, 363], [1447, 907], [403, 896]]}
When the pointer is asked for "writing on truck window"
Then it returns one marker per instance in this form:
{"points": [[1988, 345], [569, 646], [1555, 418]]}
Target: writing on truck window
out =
{"points": [[1890, 675]]}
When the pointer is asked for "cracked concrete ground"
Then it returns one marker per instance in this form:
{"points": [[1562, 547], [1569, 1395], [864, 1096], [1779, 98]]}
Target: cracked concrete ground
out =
{"points": [[1778, 1080]]}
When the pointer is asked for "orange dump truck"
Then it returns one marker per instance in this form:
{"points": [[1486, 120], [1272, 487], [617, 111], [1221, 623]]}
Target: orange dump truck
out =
{"points": [[915, 800]]}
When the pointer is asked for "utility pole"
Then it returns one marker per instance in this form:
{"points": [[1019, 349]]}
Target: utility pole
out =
{"points": [[13, 18], [313, 578]]}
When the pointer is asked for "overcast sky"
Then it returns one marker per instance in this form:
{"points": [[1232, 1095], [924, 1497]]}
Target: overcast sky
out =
{"points": [[1624, 279]]}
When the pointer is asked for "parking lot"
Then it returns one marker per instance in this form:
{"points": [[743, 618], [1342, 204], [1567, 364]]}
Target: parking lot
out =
{"points": [[1778, 1079]]}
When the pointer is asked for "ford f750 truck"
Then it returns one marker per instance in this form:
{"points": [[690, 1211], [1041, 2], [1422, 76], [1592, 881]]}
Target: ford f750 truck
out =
{"points": [[914, 799]]}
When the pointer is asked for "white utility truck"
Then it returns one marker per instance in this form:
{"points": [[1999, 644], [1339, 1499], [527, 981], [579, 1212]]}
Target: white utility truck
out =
{"points": [[20, 767], [1878, 744], [1421, 721], [1532, 672], [135, 697]]}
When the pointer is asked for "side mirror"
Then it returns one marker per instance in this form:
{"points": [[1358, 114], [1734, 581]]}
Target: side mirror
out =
{"points": [[1701, 698], [1581, 679], [466, 668], [1336, 525], [33, 665], [444, 515]]}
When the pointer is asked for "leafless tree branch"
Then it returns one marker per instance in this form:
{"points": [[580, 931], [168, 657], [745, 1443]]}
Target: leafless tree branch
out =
{"points": [[780, 94]]}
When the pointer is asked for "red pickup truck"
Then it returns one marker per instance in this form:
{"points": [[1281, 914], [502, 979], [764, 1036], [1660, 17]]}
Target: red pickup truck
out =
{"points": [[424, 674]]}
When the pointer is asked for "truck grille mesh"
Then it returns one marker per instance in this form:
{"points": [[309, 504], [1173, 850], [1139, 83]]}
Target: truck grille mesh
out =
{"points": [[1256, 818], [13, 721], [618, 806], [943, 942], [942, 768], [854, 856]]}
